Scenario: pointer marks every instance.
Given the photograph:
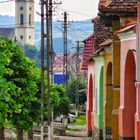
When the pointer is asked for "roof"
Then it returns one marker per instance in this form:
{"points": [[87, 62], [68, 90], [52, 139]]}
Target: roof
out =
{"points": [[106, 43], [126, 28], [130, 24], [7, 32], [88, 50], [101, 33], [118, 6], [89, 37], [104, 3]]}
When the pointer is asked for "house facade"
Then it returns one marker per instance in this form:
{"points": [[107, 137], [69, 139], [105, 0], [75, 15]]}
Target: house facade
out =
{"points": [[115, 71]]}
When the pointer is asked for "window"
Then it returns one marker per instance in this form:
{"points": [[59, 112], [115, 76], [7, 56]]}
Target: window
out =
{"points": [[21, 8], [21, 19], [30, 19], [30, 8], [21, 37]]}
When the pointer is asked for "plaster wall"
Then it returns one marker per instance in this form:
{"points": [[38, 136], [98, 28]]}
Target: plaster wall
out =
{"points": [[98, 120], [90, 97], [128, 43]]}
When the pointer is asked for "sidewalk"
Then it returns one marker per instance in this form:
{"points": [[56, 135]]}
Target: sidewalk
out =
{"points": [[74, 132]]}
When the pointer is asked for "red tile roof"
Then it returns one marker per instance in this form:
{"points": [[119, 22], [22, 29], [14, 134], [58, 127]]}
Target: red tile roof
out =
{"points": [[131, 23], [104, 3], [101, 33], [106, 43], [126, 28], [120, 6], [88, 50]]}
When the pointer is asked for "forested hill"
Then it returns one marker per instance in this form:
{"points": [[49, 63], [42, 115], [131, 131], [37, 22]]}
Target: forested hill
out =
{"points": [[78, 30]]}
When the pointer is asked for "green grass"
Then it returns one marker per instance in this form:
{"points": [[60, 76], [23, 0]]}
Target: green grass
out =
{"points": [[81, 120], [72, 129]]}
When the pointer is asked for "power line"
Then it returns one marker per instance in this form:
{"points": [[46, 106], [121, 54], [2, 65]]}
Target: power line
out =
{"points": [[79, 13], [6, 1]]}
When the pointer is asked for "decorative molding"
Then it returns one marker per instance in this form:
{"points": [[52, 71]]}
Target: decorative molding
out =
{"points": [[128, 35]]}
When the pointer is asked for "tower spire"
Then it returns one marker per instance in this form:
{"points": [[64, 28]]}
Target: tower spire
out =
{"points": [[24, 21]]}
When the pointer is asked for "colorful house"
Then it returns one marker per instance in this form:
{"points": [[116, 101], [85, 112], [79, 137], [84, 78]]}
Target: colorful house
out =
{"points": [[96, 78], [127, 36], [113, 71], [88, 50]]}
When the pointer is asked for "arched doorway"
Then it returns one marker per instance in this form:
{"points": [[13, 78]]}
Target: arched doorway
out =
{"points": [[129, 97], [90, 105], [108, 102]]}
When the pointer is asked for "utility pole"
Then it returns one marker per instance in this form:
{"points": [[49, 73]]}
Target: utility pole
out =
{"points": [[48, 47], [65, 56], [42, 69], [45, 5], [77, 80], [51, 39], [46, 14]]}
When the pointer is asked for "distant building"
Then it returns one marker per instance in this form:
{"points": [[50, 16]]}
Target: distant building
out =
{"points": [[58, 78], [24, 23]]}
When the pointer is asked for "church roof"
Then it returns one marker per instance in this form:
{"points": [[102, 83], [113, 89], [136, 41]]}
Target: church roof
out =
{"points": [[7, 32]]}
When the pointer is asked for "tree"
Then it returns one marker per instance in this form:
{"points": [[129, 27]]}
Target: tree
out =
{"points": [[60, 101], [20, 90], [32, 53], [6, 87], [72, 91], [24, 75]]}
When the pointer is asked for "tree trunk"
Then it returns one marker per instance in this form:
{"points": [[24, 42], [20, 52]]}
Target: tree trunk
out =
{"points": [[20, 135], [30, 135], [2, 133]]}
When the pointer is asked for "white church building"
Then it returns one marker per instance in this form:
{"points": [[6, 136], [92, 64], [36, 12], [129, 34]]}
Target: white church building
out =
{"points": [[24, 23]]}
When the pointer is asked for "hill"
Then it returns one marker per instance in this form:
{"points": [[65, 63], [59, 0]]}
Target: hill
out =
{"points": [[78, 30]]}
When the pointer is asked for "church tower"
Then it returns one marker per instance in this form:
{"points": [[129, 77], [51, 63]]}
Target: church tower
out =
{"points": [[24, 21]]}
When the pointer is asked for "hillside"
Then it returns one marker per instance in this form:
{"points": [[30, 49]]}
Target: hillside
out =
{"points": [[76, 31]]}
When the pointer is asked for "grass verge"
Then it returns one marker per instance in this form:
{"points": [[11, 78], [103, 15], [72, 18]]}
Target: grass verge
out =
{"points": [[81, 120]]}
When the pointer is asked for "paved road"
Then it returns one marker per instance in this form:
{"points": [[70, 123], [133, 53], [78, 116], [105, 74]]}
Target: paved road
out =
{"points": [[74, 133]]}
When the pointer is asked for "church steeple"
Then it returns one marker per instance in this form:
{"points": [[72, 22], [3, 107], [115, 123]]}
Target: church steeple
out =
{"points": [[24, 20]]}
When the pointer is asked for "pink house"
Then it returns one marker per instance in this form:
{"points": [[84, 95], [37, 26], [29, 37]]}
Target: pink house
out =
{"points": [[88, 50]]}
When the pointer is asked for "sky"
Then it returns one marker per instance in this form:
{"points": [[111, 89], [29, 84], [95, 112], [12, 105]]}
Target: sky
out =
{"points": [[77, 9]]}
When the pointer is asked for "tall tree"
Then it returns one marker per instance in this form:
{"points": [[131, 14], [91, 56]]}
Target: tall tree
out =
{"points": [[24, 76], [72, 91]]}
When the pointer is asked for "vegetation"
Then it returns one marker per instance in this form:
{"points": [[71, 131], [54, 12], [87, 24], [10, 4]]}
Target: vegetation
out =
{"points": [[20, 90], [60, 101], [32, 53], [72, 91], [81, 120]]}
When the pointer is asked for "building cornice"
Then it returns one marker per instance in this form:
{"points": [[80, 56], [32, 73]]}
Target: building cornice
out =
{"points": [[127, 35]]}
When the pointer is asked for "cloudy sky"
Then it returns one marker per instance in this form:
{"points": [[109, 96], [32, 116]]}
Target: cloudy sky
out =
{"points": [[77, 9]]}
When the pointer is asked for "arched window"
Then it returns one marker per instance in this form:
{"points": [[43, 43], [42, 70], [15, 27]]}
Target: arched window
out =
{"points": [[21, 19], [30, 8], [30, 19], [21, 37]]}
